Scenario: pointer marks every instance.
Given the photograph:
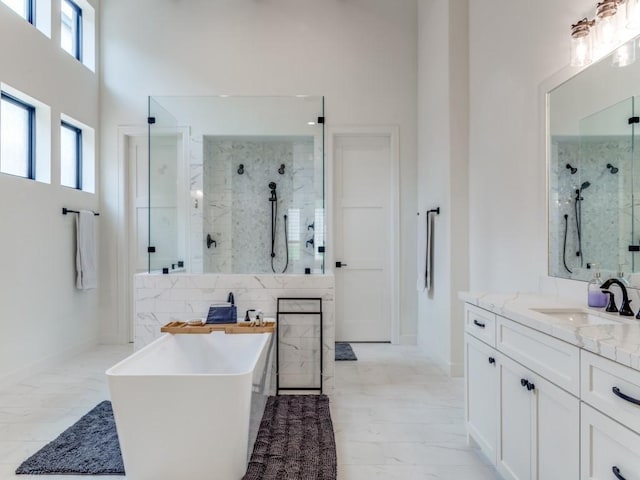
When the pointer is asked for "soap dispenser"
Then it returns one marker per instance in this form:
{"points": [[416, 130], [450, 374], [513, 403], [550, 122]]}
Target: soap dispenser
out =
{"points": [[595, 296]]}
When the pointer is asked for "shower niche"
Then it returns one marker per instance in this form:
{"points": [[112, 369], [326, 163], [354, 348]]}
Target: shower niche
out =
{"points": [[240, 188]]}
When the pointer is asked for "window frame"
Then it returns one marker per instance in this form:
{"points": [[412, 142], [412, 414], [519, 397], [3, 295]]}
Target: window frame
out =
{"points": [[31, 125], [29, 10], [77, 54], [78, 144]]}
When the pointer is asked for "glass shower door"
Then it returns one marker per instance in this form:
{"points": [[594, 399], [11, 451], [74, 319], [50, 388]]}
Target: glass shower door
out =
{"points": [[602, 192], [635, 188], [165, 145]]}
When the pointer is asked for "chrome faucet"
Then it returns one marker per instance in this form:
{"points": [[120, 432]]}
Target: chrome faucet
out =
{"points": [[625, 309]]}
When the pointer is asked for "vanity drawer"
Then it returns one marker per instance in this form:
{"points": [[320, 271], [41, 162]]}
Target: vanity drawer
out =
{"points": [[481, 324], [555, 360], [607, 447], [600, 376]]}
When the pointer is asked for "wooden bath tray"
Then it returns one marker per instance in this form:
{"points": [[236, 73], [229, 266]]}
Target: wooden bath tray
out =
{"points": [[184, 327]]}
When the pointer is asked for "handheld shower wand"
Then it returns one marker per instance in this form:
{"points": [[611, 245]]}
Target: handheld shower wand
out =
{"points": [[274, 221], [578, 211]]}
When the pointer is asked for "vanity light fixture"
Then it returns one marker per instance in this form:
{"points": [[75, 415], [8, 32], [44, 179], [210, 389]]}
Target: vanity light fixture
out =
{"points": [[607, 25], [611, 27], [581, 45]]}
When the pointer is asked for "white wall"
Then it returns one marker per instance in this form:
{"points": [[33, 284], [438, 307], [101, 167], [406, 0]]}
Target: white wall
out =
{"points": [[511, 53], [443, 172], [359, 54], [42, 315]]}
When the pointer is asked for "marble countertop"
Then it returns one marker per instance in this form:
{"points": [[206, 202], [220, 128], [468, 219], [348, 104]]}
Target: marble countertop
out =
{"points": [[619, 341]]}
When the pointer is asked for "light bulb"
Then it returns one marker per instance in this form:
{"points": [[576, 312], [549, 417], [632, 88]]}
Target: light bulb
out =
{"points": [[581, 44], [580, 52], [607, 33]]}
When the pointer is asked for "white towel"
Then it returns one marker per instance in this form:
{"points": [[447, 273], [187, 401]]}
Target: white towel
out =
{"points": [[86, 278], [421, 284], [429, 253]]}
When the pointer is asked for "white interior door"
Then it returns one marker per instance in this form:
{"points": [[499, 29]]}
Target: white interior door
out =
{"points": [[363, 188], [139, 203]]}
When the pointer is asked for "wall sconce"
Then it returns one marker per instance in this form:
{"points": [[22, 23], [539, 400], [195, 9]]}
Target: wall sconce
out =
{"points": [[581, 45], [593, 39], [607, 25]]}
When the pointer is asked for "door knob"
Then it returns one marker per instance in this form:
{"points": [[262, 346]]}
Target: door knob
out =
{"points": [[340, 265]]}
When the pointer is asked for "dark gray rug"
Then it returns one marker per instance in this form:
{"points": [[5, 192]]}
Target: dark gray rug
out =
{"points": [[88, 447], [295, 440], [344, 351]]}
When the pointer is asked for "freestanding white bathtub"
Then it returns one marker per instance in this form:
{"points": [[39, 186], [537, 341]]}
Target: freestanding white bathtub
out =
{"points": [[183, 405]]}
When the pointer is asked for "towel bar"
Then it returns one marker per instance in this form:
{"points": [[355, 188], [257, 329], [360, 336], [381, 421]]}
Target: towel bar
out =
{"points": [[65, 210]]}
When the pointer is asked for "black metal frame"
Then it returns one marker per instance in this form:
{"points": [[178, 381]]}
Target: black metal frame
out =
{"points": [[30, 11], [78, 142], [78, 24], [286, 312], [31, 125]]}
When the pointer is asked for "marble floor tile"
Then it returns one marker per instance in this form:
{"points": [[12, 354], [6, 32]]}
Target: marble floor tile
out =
{"points": [[37, 409], [395, 414]]}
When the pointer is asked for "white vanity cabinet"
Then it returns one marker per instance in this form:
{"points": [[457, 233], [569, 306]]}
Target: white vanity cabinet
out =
{"points": [[481, 385], [539, 426], [526, 425], [610, 419]]}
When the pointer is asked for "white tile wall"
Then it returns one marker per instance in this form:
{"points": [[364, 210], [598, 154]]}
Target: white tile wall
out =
{"points": [[160, 299], [606, 209]]}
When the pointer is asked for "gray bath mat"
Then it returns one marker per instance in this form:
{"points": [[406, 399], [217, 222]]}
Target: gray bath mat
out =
{"points": [[344, 351], [295, 440], [88, 447]]}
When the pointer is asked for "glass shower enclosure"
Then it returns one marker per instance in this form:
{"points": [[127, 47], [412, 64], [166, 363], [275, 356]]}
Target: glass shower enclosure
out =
{"points": [[236, 185], [593, 184]]}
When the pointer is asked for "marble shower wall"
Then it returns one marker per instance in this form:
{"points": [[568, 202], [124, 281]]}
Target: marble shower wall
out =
{"points": [[237, 211], [607, 222], [160, 299]]}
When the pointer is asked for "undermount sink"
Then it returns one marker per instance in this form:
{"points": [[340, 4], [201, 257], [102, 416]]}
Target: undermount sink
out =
{"points": [[575, 316]]}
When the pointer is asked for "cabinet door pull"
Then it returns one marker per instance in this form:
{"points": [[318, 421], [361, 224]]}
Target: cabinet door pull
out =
{"points": [[477, 323], [530, 386], [616, 472], [617, 391], [524, 382], [492, 360]]}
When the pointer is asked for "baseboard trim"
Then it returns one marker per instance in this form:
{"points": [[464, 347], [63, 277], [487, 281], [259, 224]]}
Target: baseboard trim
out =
{"points": [[456, 369], [409, 339], [44, 364]]}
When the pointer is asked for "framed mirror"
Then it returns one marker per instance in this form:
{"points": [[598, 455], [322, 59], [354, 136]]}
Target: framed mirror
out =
{"points": [[594, 170]]}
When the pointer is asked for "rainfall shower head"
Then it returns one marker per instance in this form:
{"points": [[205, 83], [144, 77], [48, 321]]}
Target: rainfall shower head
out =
{"points": [[272, 185], [613, 169], [573, 169], [585, 185]]}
